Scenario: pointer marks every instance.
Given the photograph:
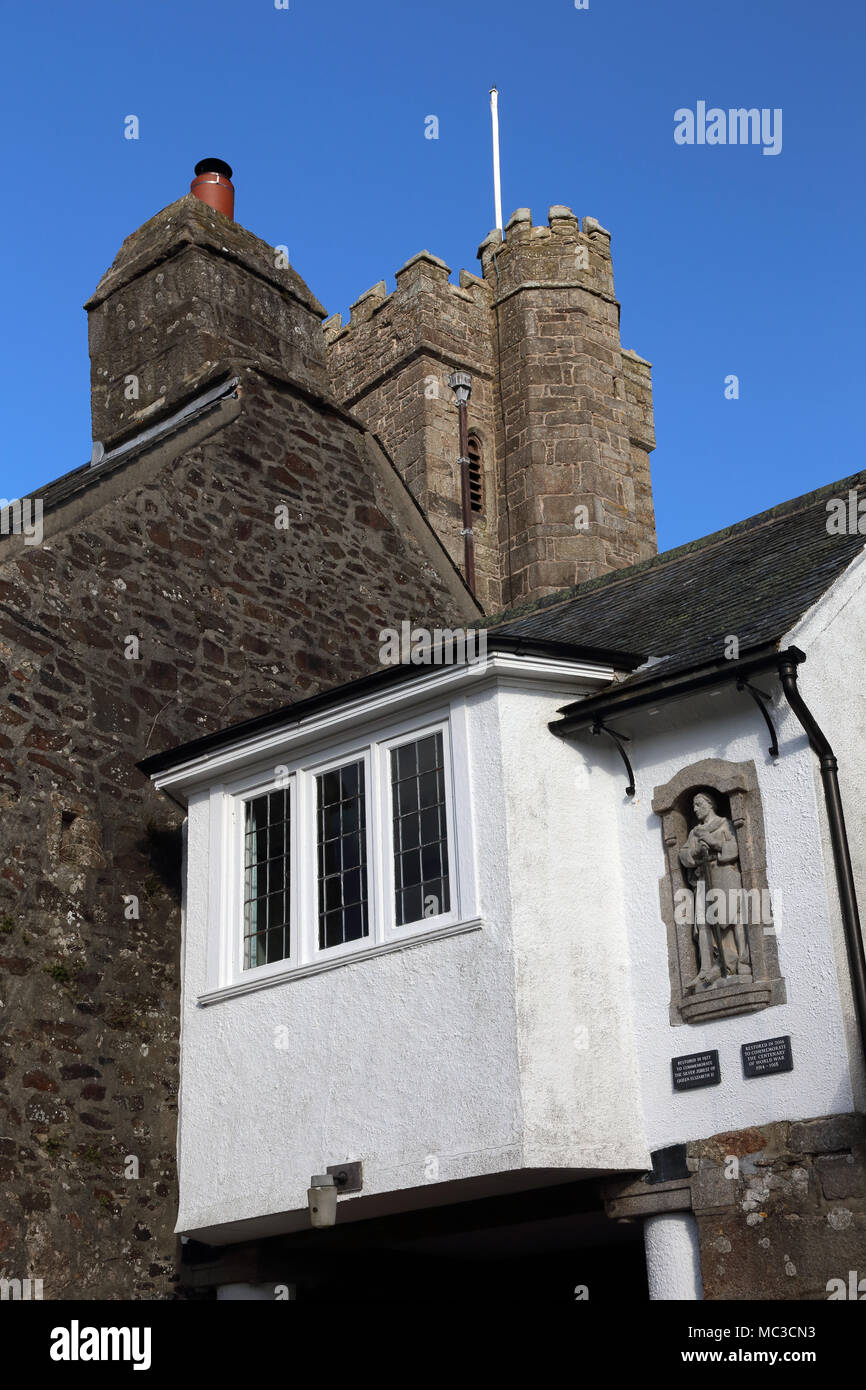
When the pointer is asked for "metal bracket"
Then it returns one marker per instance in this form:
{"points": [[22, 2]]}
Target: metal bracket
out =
{"points": [[600, 728], [761, 699], [347, 1176]]}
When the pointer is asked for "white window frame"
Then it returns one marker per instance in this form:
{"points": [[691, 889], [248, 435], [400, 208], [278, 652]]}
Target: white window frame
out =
{"points": [[309, 927], [384, 746], [373, 748], [238, 798]]}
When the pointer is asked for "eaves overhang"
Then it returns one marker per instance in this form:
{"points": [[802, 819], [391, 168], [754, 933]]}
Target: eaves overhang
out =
{"points": [[628, 697], [507, 659]]}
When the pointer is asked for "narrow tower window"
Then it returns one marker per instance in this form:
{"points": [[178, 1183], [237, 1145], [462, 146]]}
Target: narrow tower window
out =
{"points": [[476, 474]]}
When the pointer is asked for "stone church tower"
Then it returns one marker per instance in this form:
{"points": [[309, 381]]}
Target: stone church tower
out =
{"points": [[560, 416]]}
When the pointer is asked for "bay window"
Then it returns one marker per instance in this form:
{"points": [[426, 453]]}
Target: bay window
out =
{"points": [[340, 855]]}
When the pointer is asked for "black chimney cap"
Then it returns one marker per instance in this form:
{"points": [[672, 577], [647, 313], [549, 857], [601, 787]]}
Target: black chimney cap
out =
{"points": [[214, 166]]}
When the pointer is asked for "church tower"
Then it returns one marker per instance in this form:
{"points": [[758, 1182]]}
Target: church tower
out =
{"points": [[561, 418]]}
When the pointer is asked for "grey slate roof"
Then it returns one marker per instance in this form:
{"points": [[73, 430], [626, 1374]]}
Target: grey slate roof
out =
{"points": [[752, 580]]}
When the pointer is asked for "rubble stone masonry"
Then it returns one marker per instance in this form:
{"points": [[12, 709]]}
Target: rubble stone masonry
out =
{"points": [[792, 1223], [179, 549]]}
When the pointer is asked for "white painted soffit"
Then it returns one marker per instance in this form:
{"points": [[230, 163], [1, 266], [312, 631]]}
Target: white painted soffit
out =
{"points": [[503, 669]]}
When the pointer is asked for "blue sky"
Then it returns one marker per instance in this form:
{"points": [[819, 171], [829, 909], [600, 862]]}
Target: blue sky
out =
{"points": [[727, 261]]}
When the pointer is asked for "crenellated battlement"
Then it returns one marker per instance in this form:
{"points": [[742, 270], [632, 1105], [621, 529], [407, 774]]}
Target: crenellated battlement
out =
{"points": [[559, 252], [561, 413], [425, 309]]}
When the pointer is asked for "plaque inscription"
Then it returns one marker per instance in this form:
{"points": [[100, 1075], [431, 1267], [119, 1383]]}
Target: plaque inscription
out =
{"points": [[767, 1056], [696, 1069]]}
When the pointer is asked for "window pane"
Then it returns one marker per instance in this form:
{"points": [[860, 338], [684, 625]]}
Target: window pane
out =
{"points": [[421, 880], [342, 855], [406, 759], [411, 902], [407, 796], [267, 879]]}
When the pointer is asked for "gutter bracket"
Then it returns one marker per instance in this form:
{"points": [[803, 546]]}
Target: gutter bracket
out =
{"points": [[761, 699], [600, 728]]}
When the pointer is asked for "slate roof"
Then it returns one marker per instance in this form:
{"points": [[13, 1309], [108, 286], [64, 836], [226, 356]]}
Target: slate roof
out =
{"points": [[79, 479], [753, 580]]}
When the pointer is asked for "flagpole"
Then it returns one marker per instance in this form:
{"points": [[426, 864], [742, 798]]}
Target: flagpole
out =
{"points": [[497, 188]]}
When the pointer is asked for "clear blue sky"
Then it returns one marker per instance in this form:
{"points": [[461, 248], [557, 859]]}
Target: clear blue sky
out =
{"points": [[726, 260]]}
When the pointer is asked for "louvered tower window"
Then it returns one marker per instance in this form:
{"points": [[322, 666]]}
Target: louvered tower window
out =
{"points": [[476, 474]]}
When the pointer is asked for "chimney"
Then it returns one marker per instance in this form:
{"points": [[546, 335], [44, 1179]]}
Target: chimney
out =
{"points": [[191, 298], [213, 185]]}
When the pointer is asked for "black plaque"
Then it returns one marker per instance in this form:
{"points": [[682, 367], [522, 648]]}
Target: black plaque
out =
{"points": [[768, 1056], [696, 1069]]}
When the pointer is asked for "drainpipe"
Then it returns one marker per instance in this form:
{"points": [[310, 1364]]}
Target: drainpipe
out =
{"points": [[461, 385], [838, 837]]}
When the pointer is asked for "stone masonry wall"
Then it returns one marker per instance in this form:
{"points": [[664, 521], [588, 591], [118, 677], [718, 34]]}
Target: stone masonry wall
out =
{"points": [[576, 415], [564, 413], [233, 617], [390, 365], [793, 1220]]}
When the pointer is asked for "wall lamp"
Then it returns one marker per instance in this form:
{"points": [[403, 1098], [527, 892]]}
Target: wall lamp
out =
{"points": [[322, 1199], [324, 1188], [461, 385]]}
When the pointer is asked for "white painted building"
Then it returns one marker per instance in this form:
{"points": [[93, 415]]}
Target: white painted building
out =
{"points": [[498, 1012]]}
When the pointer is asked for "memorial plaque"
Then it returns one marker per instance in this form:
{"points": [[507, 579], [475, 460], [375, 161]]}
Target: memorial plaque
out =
{"points": [[696, 1069], [768, 1056]]}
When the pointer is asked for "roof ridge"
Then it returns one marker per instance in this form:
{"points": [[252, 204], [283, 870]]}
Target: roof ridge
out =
{"points": [[663, 557]]}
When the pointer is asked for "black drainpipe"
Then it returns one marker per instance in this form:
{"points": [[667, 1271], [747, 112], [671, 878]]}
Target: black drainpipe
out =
{"points": [[838, 836]]}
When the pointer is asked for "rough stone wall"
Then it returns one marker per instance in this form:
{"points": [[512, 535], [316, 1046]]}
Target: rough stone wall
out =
{"points": [[390, 365], [793, 1220], [233, 617], [563, 412], [189, 296], [577, 418]]}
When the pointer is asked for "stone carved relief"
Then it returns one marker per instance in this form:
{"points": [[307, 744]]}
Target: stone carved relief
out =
{"points": [[714, 897], [711, 858]]}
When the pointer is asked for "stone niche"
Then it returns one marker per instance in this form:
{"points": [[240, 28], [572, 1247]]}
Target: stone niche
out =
{"points": [[715, 899]]}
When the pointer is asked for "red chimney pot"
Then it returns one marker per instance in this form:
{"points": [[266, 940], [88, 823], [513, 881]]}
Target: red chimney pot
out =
{"points": [[213, 185]]}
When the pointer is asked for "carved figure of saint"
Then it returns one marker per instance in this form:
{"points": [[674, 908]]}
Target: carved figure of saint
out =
{"points": [[711, 858]]}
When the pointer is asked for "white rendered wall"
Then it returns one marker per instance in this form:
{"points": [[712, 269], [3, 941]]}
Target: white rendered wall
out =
{"points": [[542, 1040], [578, 1072], [727, 725], [831, 680], [405, 1061], [455, 1059]]}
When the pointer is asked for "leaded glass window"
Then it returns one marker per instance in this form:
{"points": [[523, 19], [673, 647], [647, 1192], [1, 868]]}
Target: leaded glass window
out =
{"points": [[267, 879], [342, 855], [421, 877]]}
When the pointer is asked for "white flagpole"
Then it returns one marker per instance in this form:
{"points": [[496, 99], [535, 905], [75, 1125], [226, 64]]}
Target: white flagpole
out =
{"points": [[497, 189]]}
